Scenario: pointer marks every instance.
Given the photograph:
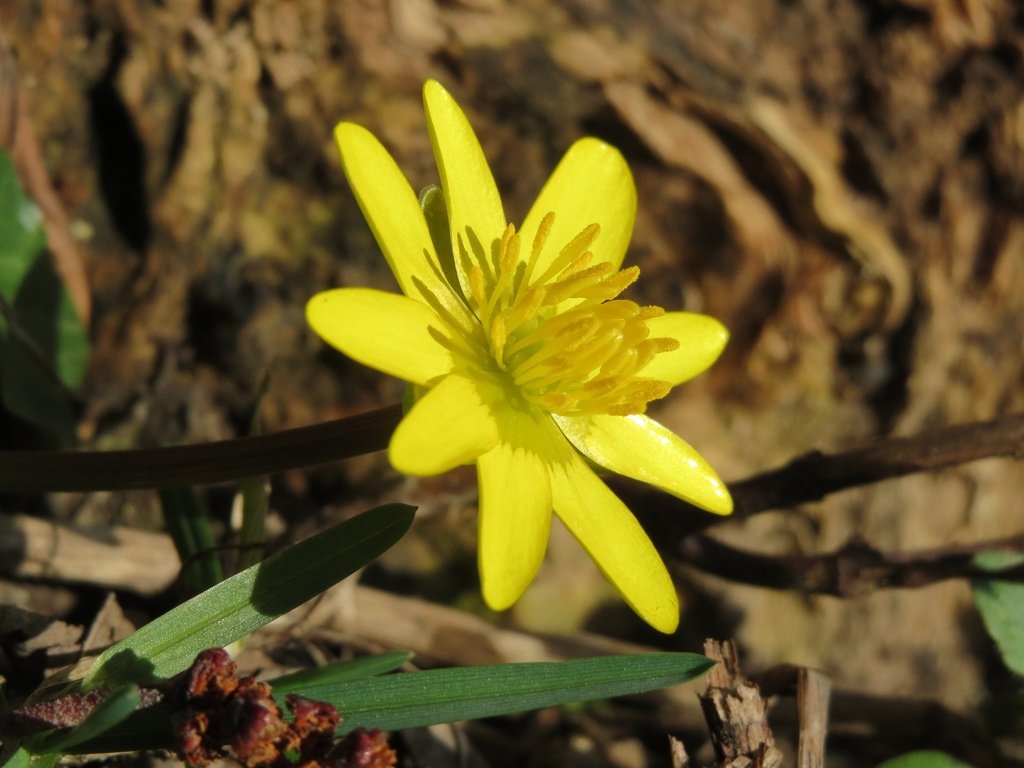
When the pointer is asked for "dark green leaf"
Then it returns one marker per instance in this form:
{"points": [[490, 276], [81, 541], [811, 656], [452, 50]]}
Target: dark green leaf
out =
{"points": [[1001, 604], [43, 347], [250, 599], [21, 230], [29, 392], [415, 699], [45, 313], [408, 700]]}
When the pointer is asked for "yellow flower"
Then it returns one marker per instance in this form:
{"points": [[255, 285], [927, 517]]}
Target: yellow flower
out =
{"points": [[527, 360]]}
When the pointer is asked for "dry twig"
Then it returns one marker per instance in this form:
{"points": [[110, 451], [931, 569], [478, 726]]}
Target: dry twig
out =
{"points": [[854, 569]]}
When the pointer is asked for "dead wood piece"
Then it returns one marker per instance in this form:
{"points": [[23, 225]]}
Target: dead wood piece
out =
{"points": [[677, 753], [118, 558], [736, 714], [108, 626], [813, 690]]}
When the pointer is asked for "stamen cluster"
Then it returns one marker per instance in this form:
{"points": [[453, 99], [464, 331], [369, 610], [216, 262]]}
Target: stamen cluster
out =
{"points": [[563, 338]]}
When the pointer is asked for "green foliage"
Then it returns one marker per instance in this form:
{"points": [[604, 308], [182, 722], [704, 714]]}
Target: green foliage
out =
{"points": [[340, 672], [416, 699], [255, 498], [924, 759], [188, 523], [22, 758], [255, 492], [249, 599], [1001, 604], [44, 349]]}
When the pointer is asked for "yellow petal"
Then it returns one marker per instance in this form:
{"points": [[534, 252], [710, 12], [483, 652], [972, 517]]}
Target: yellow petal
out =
{"points": [[452, 424], [701, 340], [641, 448], [474, 205], [393, 212], [515, 513], [591, 185], [614, 539], [386, 331]]}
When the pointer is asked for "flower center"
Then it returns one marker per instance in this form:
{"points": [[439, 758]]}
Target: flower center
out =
{"points": [[562, 337]]}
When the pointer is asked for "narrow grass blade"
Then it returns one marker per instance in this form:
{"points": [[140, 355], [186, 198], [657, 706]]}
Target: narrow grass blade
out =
{"points": [[340, 672], [413, 699], [255, 495], [188, 523], [250, 599], [445, 695]]}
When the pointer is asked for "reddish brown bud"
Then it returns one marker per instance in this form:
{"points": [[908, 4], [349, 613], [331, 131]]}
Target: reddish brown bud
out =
{"points": [[227, 716], [190, 734], [311, 735], [365, 749], [212, 676]]}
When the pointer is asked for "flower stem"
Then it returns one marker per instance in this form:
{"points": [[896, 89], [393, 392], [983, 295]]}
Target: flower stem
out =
{"points": [[200, 464]]}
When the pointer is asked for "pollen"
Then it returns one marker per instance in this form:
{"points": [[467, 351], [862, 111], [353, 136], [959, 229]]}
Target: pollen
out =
{"points": [[563, 338]]}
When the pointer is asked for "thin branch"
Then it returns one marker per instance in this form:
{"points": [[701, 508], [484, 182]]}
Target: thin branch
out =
{"points": [[855, 569], [814, 476], [201, 464]]}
